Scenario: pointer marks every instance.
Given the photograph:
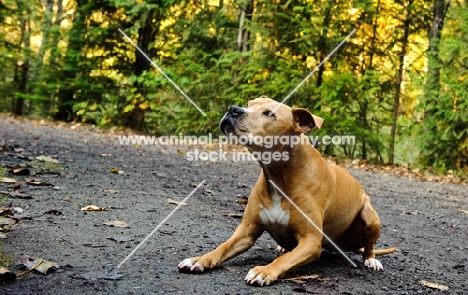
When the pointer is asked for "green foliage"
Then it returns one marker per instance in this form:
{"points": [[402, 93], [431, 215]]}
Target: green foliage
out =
{"points": [[446, 126], [87, 71]]}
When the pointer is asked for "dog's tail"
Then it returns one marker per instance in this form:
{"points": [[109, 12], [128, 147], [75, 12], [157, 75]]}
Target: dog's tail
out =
{"points": [[379, 251]]}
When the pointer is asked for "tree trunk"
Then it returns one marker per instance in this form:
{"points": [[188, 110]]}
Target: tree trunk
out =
{"points": [[433, 74], [399, 80], [45, 34], [70, 68], [135, 119], [243, 36], [322, 44], [55, 33], [22, 67]]}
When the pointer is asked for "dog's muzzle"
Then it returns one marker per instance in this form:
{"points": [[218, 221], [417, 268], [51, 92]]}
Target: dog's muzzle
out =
{"points": [[230, 119]]}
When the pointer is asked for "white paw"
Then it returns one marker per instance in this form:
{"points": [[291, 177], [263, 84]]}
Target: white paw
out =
{"points": [[281, 249], [189, 265], [374, 264], [252, 279]]}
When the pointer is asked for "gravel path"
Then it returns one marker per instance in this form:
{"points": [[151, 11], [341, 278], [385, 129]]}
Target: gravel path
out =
{"points": [[421, 219]]}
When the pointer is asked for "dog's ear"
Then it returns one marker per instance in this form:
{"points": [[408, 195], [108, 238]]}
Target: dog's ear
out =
{"points": [[305, 120]]}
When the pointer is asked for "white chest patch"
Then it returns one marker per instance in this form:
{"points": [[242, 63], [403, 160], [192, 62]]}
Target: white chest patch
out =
{"points": [[275, 219]]}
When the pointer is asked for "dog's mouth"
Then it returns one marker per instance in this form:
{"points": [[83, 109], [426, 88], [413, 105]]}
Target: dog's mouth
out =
{"points": [[230, 120], [226, 126]]}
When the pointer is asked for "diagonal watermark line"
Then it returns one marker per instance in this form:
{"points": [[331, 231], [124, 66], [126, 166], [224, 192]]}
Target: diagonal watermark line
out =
{"points": [[316, 68], [160, 224], [161, 71], [313, 223]]}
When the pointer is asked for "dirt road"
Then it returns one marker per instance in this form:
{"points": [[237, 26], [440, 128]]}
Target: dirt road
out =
{"points": [[421, 219]]}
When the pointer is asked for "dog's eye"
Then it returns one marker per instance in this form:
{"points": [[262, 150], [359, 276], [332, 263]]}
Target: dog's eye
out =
{"points": [[269, 113]]}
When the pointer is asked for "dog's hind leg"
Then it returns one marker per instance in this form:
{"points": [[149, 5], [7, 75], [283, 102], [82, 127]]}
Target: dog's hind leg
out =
{"points": [[371, 234]]}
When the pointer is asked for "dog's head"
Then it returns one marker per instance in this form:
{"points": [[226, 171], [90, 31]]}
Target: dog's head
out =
{"points": [[266, 117]]}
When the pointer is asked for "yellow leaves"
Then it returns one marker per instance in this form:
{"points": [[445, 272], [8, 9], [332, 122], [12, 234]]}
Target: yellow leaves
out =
{"points": [[128, 108], [93, 107], [353, 11], [144, 105], [310, 61], [134, 103]]}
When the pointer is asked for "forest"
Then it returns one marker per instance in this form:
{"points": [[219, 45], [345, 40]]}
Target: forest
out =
{"points": [[398, 84]]}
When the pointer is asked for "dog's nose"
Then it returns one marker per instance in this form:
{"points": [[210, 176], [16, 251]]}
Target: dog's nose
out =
{"points": [[236, 111]]}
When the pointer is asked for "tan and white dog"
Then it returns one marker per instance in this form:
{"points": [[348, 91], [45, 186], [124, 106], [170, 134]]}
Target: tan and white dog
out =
{"points": [[326, 193]]}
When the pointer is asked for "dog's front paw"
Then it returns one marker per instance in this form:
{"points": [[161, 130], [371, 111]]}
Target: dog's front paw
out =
{"points": [[374, 264], [260, 276], [191, 265]]}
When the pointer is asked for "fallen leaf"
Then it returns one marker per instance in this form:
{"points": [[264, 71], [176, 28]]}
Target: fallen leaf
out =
{"points": [[106, 155], [120, 239], [21, 171], [47, 159], [6, 274], [114, 170], [16, 195], [180, 152], [433, 285], [93, 208], [36, 182], [174, 202], [111, 191], [47, 266], [7, 221], [463, 211], [241, 201], [116, 223], [209, 192], [39, 264], [6, 211], [7, 180]]}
